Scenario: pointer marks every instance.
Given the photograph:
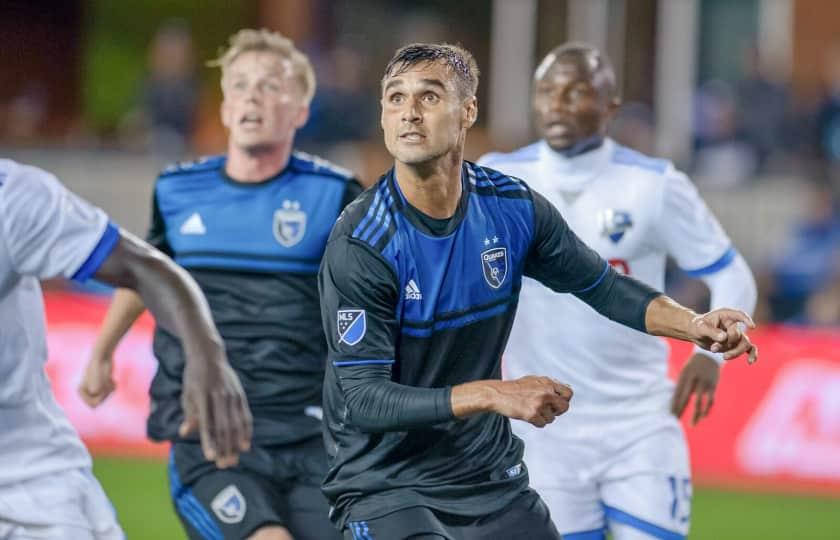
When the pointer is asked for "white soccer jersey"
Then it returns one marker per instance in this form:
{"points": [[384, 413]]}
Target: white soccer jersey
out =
{"points": [[634, 210], [45, 232]]}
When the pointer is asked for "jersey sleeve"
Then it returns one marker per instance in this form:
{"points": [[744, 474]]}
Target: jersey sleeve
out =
{"points": [[359, 294], [558, 258], [157, 228], [49, 231], [689, 230]]}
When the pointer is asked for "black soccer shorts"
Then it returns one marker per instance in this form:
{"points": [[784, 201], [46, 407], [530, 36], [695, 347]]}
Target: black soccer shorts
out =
{"points": [[272, 485]]}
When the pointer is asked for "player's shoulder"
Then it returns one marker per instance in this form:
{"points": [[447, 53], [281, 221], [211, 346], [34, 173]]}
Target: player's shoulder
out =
{"points": [[523, 155], [623, 156], [489, 182], [310, 164], [186, 169], [24, 183], [370, 219]]}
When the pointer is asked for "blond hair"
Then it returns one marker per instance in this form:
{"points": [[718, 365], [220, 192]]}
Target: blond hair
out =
{"points": [[249, 40]]}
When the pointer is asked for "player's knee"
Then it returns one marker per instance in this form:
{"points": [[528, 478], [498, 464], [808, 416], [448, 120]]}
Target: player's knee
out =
{"points": [[271, 532]]}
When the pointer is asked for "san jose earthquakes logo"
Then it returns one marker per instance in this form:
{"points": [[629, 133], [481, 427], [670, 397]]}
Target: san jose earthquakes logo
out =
{"points": [[614, 223], [352, 326], [289, 223], [494, 265], [229, 505]]}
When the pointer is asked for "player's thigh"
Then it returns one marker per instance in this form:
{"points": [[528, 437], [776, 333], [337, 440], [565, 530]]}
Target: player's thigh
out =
{"points": [[307, 513], [647, 493], [575, 507], [271, 532], [526, 518], [227, 503]]}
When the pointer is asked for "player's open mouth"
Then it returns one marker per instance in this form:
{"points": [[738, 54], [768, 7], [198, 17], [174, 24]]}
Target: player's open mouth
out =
{"points": [[252, 119]]}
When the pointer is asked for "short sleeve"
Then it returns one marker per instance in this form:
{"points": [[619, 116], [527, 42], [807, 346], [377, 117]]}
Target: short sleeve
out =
{"points": [[359, 295], [689, 230], [558, 258], [49, 231]]}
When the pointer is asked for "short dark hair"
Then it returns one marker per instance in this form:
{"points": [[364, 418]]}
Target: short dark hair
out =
{"points": [[457, 58]]}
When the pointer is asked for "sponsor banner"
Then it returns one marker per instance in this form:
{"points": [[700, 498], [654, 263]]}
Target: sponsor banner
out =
{"points": [[774, 425]]}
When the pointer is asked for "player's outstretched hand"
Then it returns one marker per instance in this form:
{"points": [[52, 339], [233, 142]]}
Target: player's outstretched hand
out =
{"points": [[721, 331], [699, 377], [537, 400], [98, 381], [215, 405]]}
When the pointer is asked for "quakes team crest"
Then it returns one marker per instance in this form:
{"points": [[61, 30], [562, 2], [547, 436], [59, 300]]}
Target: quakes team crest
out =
{"points": [[352, 326], [614, 223], [494, 265], [229, 505], [289, 223]]}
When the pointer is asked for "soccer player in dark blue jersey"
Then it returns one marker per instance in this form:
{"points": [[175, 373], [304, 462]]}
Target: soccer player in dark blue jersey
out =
{"points": [[251, 228], [419, 288]]}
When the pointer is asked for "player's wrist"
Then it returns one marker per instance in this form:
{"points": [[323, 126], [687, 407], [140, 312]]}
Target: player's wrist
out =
{"points": [[716, 357]]}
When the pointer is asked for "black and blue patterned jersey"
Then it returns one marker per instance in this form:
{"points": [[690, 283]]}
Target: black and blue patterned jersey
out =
{"points": [[254, 249], [432, 301]]}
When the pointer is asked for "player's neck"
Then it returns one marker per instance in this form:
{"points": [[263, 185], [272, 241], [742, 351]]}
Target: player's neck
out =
{"points": [[258, 164], [433, 187]]}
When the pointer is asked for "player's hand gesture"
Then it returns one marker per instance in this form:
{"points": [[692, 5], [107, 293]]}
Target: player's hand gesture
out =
{"points": [[98, 381], [215, 405], [721, 331], [537, 400], [699, 377]]}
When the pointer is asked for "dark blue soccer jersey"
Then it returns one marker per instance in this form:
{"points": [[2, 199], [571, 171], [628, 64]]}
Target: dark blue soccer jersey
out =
{"points": [[254, 249], [429, 303]]}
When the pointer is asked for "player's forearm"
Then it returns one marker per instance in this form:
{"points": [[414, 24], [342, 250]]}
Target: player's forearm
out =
{"points": [[473, 398], [377, 404], [665, 317], [168, 291], [126, 307]]}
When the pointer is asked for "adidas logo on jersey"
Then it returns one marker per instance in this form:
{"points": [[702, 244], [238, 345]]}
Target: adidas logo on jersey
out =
{"points": [[412, 291], [193, 225]]}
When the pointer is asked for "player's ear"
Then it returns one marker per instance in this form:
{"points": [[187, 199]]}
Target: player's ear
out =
{"points": [[469, 112], [302, 116]]}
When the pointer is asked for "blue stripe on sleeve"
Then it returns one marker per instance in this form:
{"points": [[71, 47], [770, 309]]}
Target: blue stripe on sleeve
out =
{"points": [[620, 516], [597, 281], [104, 248], [724, 261], [342, 363]]}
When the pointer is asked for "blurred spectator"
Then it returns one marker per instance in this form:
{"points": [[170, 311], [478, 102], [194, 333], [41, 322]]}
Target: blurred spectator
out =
{"points": [[828, 118], [807, 264], [762, 109], [26, 114], [343, 109], [633, 126], [165, 119], [721, 160]]}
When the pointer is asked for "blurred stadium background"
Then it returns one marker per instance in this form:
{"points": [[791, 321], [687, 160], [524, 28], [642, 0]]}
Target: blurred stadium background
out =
{"points": [[742, 94]]}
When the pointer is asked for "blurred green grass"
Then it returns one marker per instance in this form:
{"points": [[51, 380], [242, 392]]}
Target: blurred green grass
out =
{"points": [[140, 493]]}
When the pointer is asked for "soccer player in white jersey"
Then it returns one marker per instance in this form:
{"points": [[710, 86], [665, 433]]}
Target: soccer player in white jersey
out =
{"points": [[47, 489], [618, 460]]}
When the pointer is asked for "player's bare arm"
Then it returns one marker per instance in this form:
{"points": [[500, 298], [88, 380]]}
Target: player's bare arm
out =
{"points": [[97, 381], [537, 400], [213, 399], [718, 331]]}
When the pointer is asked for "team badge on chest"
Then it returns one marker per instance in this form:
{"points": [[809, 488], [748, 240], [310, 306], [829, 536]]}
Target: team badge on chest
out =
{"points": [[289, 223], [614, 223], [494, 264]]}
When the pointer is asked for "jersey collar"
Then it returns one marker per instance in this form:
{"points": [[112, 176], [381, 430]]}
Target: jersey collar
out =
{"points": [[574, 173]]}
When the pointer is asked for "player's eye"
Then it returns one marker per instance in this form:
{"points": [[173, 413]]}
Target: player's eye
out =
{"points": [[396, 98], [431, 98]]}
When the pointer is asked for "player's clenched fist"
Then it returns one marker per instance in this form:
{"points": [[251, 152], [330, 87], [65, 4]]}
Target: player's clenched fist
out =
{"points": [[537, 400]]}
